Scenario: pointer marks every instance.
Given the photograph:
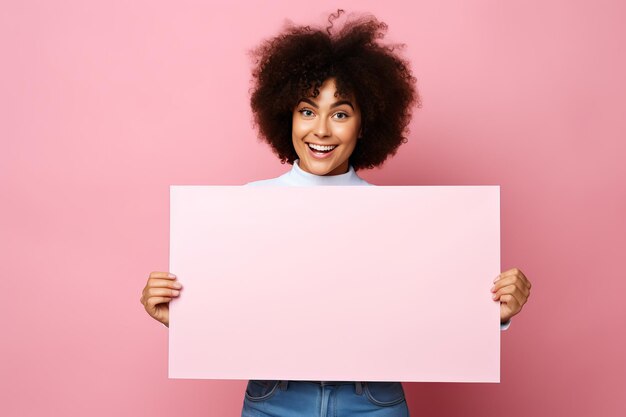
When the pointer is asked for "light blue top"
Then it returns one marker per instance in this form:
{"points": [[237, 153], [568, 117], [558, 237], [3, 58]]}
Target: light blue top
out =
{"points": [[297, 177]]}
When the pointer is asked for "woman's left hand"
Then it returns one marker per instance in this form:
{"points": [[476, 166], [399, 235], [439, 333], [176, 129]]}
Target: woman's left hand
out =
{"points": [[512, 288]]}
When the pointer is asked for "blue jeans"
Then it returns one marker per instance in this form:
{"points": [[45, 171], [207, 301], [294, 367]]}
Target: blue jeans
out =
{"points": [[264, 398]]}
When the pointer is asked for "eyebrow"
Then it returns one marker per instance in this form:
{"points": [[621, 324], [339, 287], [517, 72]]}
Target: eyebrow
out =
{"points": [[335, 104]]}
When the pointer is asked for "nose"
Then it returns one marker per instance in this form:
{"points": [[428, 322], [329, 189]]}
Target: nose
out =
{"points": [[321, 128]]}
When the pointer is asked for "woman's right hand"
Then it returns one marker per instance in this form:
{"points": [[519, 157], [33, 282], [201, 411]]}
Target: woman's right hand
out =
{"points": [[156, 295]]}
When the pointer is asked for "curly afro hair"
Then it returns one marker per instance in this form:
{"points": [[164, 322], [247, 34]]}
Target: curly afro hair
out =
{"points": [[295, 63]]}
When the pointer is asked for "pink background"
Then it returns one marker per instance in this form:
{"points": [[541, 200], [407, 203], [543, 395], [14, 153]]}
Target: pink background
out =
{"points": [[103, 106]]}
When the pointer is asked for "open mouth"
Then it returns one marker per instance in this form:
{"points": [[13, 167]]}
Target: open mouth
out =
{"points": [[321, 151]]}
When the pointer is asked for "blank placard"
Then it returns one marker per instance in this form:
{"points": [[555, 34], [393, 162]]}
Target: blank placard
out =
{"points": [[349, 283]]}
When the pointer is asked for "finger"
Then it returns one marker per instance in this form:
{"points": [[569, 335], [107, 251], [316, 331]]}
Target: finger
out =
{"points": [[512, 291], [158, 283], [511, 302], [163, 283], [523, 277], [151, 293], [511, 280], [515, 273], [162, 292], [160, 274], [512, 273], [504, 290], [503, 282]]}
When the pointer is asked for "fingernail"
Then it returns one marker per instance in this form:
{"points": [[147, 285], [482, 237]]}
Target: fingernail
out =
{"points": [[497, 278], [495, 296], [171, 275], [493, 288], [175, 292], [177, 285]]}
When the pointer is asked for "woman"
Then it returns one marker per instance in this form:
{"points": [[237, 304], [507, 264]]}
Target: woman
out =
{"points": [[329, 105]]}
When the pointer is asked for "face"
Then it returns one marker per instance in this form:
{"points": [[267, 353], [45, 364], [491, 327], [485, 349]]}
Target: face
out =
{"points": [[329, 124]]}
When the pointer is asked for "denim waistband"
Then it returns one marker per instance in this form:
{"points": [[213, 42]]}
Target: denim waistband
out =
{"points": [[358, 384], [331, 382]]}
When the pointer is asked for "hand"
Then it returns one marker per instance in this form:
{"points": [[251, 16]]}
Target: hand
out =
{"points": [[159, 290], [512, 288]]}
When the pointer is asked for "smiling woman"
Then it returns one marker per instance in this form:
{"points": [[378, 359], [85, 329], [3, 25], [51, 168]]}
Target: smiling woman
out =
{"points": [[330, 104], [315, 88], [325, 131]]}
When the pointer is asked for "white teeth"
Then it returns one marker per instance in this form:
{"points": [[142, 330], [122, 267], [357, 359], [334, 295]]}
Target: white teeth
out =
{"points": [[321, 148]]}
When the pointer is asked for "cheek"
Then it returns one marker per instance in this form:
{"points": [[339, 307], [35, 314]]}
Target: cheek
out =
{"points": [[349, 133], [297, 130]]}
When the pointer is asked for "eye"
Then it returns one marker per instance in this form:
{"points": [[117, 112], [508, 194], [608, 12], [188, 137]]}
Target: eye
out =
{"points": [[306, 112], [344, 115]]}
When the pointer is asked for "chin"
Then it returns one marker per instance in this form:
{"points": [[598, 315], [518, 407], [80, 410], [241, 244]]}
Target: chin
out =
{"points": [[327, 170], [319, 167]]}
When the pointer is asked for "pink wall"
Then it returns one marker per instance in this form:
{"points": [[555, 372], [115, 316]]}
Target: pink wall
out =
{"points": [[104, 106]]}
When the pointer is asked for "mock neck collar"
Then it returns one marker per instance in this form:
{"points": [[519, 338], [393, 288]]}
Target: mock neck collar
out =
{"points": [[306, 178]]}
